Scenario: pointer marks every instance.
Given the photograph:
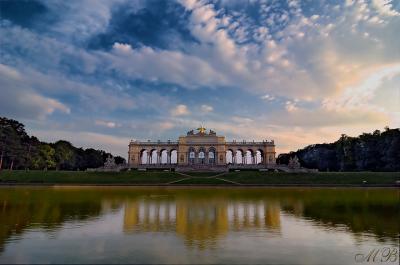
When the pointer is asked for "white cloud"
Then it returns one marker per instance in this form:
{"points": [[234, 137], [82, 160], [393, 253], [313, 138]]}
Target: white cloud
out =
{"points": [[268, 97], [21, 101], [9, 72], [241, 120], [384, 7], [109, 124], [290, 106], [206, 108], [359, 97], [123, 48], [165, 66], [49, 104], [81, 20], [328, 59], [180, 110], [166, 125]]}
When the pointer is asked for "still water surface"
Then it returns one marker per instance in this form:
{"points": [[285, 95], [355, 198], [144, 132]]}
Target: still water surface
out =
{"points": [[197, 225]]}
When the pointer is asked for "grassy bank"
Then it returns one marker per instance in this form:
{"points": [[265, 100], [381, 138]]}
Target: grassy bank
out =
{"points": [[162, 177], [82, 177], [326, 178]]}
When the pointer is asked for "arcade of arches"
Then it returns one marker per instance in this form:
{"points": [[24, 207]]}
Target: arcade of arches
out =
{"points": [[202, 149]]}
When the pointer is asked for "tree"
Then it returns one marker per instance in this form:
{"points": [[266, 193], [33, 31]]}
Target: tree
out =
{"points": [[44, 159], [20, 151], [377, 151], [119, 160], [12, 133], [94, 158], [64, 155]]}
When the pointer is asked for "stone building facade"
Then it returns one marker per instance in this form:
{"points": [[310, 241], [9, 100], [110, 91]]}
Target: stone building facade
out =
{"points": [[201, 150]]}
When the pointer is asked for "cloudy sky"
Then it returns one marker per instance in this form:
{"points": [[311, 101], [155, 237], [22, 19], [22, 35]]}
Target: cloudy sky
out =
{"points": [[99, 73]]}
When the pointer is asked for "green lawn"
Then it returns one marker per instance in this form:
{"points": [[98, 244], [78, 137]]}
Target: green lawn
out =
{"points": [[82, 177], [202, 181], [201, 174], [200, 178], [351, 178]]}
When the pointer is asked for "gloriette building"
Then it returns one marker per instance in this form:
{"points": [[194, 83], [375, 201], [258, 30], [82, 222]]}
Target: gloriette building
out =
{"points": [[201, 150]]}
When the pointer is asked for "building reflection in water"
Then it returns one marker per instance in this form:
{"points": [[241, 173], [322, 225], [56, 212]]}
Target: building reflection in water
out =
{"points": [[153, 216], [201, 222], [200, 217]]}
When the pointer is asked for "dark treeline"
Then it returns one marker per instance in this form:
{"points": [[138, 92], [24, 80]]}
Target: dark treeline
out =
{"points": [[18, 150], [377, 151]]}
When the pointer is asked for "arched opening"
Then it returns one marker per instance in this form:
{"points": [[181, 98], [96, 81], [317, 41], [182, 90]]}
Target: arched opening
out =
{"points": [[239, 156], [248, 157], [192, 155], [144, 157], [202, 155], [173, 157], [259, 157], [164, 157], [229, 156], [211, 155], [153, 156]]}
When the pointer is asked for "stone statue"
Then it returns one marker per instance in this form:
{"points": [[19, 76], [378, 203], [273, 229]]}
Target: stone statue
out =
{"points": [[110, 163], [294, 162], [191, 132], [212, 132]]}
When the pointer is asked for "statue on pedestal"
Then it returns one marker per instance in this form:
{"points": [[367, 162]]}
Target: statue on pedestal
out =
{"points": [[201, 130], [110, 163], [294, 162]]}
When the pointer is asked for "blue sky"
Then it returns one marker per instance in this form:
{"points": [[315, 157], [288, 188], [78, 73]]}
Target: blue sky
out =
{"points": [[99, 73]]}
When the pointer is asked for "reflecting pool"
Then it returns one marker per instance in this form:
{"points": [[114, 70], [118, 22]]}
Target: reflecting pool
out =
{"points": [[199, 225]]}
